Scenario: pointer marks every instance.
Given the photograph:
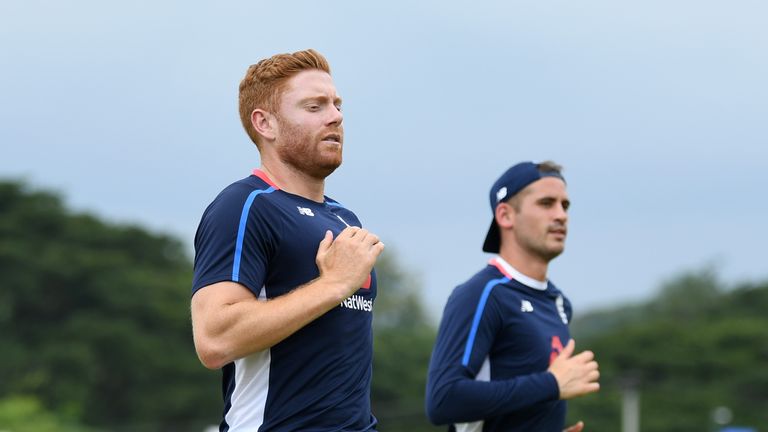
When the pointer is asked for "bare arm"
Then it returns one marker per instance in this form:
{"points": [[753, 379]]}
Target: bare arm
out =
{"points": [[228, 322]]}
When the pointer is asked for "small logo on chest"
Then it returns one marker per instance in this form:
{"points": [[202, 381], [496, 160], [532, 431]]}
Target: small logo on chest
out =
{"points": [[305, 211], [526, 306]]}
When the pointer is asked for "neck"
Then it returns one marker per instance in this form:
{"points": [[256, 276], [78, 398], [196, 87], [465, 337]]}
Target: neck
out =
{"points": [[293, 181], [530, 265]]}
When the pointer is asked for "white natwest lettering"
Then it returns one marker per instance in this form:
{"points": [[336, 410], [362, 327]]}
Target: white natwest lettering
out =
{"points": [[358, 303]]}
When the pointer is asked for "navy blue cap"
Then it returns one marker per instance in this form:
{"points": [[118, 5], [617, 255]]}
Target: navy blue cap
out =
{"points": [[508, 185]]}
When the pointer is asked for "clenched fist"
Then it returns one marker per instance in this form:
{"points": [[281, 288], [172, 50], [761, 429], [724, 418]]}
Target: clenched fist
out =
{"points": [[347, 260], [576, 375]]}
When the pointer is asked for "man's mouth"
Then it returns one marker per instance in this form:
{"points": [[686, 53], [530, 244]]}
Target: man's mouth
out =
{"points": [[558, 231], [333, 138]]}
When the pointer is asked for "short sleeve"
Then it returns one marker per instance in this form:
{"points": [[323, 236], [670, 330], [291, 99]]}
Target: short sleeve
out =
{"points": [[234, 240]]}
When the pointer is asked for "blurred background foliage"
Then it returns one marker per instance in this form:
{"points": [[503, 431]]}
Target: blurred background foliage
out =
{"points": [[693, 348], [95, 336]]}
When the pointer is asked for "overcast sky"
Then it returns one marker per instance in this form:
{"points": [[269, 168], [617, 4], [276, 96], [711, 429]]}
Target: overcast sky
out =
{"points": [[657, 109]]}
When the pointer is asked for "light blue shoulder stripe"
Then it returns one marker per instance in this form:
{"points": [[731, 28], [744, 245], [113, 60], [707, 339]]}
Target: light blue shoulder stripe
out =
{"points": [[241, 230], [478, 315], [334, 204]]}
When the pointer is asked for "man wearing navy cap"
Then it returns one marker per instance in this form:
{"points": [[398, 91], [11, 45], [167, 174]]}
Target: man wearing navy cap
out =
{"points": [[504, 359]]}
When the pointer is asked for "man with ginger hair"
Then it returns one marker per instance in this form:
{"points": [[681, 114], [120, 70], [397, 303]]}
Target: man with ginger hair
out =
{"points": [[284, 285], [504, 359]]}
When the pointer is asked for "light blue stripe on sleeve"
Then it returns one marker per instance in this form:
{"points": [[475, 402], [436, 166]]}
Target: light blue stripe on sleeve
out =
{"points": [[241, 230], [478, 315]]}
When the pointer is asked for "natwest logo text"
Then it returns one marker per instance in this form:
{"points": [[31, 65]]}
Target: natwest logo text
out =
{"points": [[358, 303]]}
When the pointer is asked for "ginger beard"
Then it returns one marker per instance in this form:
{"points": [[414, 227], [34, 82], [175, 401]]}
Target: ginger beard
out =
{"points": [[307, 152]]}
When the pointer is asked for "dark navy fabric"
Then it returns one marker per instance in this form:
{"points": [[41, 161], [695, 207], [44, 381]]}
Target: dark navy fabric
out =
{"points": [[517, 330], [267, 239]]}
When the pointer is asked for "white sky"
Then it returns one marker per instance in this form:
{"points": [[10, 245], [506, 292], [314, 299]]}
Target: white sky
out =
{"points": [[658, 110]]}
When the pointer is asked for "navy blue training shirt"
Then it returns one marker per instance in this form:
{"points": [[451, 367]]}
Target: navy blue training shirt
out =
{"points": [[317, 379], [499, 332]]}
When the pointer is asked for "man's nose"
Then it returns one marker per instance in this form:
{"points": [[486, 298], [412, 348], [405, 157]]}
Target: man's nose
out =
{"points": [[561, 213], [336, 117]]}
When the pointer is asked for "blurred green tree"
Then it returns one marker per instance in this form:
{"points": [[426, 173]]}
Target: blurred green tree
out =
{"points": [[94, 318], [26, 414], [403, 338], [695, 347]]}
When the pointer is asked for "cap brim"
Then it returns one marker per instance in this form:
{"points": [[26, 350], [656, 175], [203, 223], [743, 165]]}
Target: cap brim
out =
{"points": [[491, 243]]}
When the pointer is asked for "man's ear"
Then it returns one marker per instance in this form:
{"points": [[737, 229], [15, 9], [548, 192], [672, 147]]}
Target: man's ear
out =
{"points": [[265, 123], [505, 215]]}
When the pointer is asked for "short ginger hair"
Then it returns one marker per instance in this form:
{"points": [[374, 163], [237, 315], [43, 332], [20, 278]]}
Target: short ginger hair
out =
{"points": [[265, 82]]}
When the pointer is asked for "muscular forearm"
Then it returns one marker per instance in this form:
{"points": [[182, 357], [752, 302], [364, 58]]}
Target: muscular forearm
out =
{"points": [[229, 323], [227, 328]]}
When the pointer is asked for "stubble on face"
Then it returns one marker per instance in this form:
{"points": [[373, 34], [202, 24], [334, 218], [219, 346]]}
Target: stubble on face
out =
{"points": [[538, 246], [306, 152], [537, 233]]}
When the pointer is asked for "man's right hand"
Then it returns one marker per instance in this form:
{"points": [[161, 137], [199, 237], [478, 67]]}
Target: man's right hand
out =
{"points": [[576, 375], [347, 260]]}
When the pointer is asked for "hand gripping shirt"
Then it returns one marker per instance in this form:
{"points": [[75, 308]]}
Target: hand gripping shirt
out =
{"points": [[318, 379], [499, 332]]}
